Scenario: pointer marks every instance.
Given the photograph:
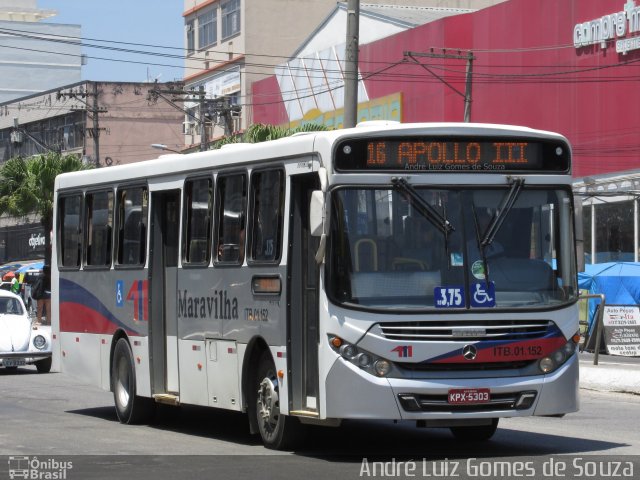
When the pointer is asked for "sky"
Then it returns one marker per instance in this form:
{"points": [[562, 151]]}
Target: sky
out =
{"points": [[149, 22]]}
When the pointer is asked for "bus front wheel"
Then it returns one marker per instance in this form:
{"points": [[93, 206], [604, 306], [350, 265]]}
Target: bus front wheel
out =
{"points": [[130, 408], [475, 433], [277, 431]]}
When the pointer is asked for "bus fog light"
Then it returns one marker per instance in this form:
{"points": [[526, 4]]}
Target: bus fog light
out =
{"points": [[364, 360], [558, 357], [348, 351], [382, 368], [569, 348], [547, 365]]}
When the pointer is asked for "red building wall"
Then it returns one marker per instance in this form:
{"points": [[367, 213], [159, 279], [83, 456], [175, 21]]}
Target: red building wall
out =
{"points": [[526, 72]]}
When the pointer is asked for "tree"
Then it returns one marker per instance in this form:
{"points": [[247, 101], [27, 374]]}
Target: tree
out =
{"points": [[261, 132], [26, 187]]}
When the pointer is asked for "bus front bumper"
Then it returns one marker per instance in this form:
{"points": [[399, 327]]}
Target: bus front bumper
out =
{"points": [[354, 393]]}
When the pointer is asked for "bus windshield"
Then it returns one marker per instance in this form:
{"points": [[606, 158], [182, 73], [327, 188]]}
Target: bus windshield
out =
{"points": [[388, 249]]}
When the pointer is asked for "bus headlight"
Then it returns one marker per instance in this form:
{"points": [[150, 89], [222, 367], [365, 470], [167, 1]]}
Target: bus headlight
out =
{"points": [[367, 361], [552, 362]]}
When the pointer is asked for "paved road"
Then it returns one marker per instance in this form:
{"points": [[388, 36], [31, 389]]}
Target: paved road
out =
{"points": [[53, 415]]}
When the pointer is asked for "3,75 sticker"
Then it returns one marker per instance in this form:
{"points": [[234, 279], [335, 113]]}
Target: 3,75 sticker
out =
{"points": [[449, 297]]}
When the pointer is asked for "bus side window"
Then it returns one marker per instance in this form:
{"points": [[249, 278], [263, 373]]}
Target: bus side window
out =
{"points": [[99, 224], [267, 215], [230, 213], [198, 202], [70, 230], [132, 225]]}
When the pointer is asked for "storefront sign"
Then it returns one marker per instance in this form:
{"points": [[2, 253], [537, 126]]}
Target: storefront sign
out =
{"points": [[36, 240], [609, 27], [622, 330]]}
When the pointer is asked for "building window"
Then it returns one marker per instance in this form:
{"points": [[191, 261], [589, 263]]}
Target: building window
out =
{"points": [[230, 18], [191, 37], [614, 232], [207, 28], [586, 232]]}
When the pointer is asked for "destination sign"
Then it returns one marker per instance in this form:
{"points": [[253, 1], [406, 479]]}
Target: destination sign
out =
{"points": [[447, 154]]}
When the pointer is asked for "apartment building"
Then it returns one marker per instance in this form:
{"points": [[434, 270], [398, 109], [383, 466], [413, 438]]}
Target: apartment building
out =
{"points": [[28, 66], [233, 43]]}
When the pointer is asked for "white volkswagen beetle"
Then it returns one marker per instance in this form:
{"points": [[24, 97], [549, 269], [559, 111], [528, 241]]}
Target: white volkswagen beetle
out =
{"points": [[22, 342]]}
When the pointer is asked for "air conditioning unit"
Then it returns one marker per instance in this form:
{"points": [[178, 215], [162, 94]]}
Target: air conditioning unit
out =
{"points": [[188, 128]]}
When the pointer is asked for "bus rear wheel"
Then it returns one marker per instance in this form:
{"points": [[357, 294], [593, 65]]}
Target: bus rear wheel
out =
{"points": [[130, 408], [278, 431], [475, 433]]}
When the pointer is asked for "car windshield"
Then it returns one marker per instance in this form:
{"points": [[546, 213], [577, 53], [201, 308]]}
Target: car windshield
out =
{"points": [[10, 306], [425, 248]]}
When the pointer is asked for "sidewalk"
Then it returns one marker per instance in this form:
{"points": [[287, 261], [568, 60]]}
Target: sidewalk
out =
{"points": [[612, 374]]}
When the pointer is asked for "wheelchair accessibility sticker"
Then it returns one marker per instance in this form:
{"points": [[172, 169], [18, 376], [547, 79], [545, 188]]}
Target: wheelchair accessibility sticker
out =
{"points": [[119, 293], [482, 295]]}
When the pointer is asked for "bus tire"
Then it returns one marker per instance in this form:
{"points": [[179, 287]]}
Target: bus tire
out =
{"points": [[130, 408], [278, 432], [475, 433], [44, 366]]}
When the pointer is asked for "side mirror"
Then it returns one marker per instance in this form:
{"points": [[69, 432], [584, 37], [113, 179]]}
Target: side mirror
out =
{"points": [[316, 213]]}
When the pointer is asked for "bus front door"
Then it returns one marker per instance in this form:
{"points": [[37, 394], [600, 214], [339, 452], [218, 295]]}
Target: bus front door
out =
{"points": [[303, 316], [163, 275]]}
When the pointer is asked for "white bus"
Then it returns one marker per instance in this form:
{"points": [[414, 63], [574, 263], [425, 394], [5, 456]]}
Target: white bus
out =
{"points": [[419, 272]]}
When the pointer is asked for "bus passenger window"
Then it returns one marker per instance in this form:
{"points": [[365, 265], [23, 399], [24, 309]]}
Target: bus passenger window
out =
{"points": [[231, 194], [132, 225], [267, 215], [196, 243], [99, 224], [70, 230]]}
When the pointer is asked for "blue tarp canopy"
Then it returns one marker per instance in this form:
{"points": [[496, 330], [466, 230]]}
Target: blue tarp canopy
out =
{"points": [[619, 281]]}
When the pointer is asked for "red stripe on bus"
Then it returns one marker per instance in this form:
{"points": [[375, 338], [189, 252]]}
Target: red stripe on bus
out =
{"points": [[78, 318]]}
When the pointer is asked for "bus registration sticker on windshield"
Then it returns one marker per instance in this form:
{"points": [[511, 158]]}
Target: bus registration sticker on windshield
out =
{"points": [[449, 297], [461, 396]]}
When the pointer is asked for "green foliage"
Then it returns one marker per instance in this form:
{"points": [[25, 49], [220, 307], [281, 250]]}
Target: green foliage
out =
{"points": [[261, 132], [26, 184]]}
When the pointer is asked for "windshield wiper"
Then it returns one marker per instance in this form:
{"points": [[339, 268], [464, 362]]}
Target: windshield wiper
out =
{"points": [[501, 212], [427, 210], [481, 246], [423, 207]]}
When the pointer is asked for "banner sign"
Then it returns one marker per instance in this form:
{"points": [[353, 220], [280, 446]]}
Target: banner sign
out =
{"points": [[622, 330]]}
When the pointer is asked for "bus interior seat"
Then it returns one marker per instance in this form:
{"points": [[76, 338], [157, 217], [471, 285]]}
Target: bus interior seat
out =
{"points": [[366, 255]]}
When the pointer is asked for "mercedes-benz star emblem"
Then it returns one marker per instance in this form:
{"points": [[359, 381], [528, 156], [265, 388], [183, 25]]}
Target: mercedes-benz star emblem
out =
{"points": [[469, 352]]}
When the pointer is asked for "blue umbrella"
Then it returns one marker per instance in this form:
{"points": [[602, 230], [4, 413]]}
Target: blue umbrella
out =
{"points": [[31, 266]]}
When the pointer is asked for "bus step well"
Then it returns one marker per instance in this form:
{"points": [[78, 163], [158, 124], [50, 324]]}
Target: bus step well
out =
{"points": [[167, 399]]}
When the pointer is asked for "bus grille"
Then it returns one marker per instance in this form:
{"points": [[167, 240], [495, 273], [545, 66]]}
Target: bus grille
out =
{"points": [[439, 403], [466, 331]]}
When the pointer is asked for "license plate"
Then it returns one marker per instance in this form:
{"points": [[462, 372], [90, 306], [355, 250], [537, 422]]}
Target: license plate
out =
{"points": [[468, 396], [13, 362]]}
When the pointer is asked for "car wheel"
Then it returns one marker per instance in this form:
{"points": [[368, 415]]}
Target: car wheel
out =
{"points": [[44, 366], [278, 431], [130, 408], [475, 433]]}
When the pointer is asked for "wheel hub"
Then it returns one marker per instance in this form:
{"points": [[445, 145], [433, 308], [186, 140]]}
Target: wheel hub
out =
{"points": [[268, 400]]}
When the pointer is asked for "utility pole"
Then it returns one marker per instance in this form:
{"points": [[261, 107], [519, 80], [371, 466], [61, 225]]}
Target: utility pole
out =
{"points": [[351, 64], [201, 117], [95, 110], [469, 74], [213, 108], [96, 126]]}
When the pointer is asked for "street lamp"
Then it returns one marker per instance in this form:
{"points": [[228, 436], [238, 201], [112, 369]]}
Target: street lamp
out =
{"points": [[161, 146]]}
